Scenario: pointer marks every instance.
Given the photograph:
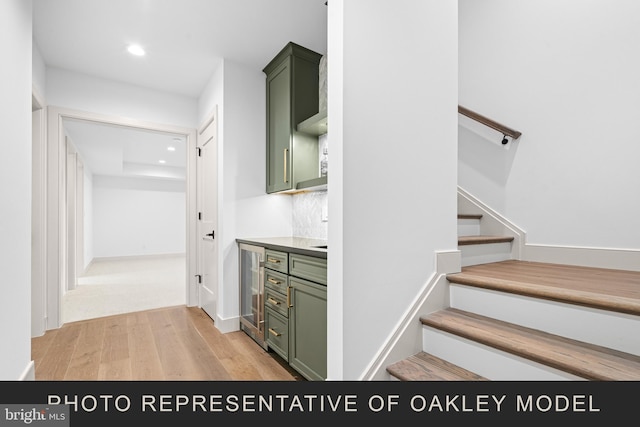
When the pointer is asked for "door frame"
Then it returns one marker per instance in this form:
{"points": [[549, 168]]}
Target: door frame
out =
{"points": [[72, 202], [74, 186], [38, 215], [56, 253]]}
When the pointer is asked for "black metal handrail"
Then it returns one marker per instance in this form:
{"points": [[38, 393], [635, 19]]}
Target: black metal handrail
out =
{"points": [[506, 131]]}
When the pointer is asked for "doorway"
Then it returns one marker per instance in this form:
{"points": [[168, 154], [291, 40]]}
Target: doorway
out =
{"points": [[155, 178], [126, 225]]}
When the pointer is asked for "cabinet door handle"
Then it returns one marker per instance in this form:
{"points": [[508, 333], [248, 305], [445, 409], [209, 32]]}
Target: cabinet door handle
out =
{"points": [[272, 332], [274, 281], [286, 152], [289, 297], [276, 261], [273, 301]]}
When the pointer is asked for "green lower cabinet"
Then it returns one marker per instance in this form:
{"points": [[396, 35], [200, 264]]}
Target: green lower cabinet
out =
{"points": [[308, 328], [277, 332], [295, 307]]}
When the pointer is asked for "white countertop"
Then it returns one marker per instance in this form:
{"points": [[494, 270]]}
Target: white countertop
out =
{"points": [[302, 245]]}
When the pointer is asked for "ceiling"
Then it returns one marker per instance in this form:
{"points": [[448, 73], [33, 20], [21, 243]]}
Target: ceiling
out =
{"points": [[111, 150], [185, 41]]}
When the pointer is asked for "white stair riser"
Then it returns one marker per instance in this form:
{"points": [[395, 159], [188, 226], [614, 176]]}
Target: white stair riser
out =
{"points": [[493, 364], [599, 327], [484, 253], [468, 227]]}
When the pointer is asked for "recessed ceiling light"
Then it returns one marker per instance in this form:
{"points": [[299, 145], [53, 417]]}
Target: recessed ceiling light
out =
{"points": [[171, 148], [136, 50], [162, 161]]}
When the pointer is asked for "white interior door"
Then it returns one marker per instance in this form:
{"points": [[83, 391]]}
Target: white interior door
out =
{"points": [[207, 184]]}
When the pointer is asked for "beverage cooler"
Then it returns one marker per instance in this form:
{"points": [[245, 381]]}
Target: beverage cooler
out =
{"points": [[251, 260]]}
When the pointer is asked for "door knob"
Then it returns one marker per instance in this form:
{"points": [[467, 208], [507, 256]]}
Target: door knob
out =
{"points": [[211, 234]]}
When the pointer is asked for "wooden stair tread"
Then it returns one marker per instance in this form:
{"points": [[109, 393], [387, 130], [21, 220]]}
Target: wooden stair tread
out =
{"points": [[585, 360], [427, 367], [483, 239], [607, 289], [469, 216]]}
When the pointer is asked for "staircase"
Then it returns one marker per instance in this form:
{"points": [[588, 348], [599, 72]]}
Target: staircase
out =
{"points": [[520, 320]]}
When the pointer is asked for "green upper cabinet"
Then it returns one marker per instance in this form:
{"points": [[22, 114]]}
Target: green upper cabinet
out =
{"points": [[292, 97]]}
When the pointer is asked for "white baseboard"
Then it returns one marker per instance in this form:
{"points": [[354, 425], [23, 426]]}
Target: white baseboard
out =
{"points": [[492, 222], [88, 266], [29, 373], [405, 339], [135, 257], [621, 259], [227, 325], [448, 262], [495, 223]]}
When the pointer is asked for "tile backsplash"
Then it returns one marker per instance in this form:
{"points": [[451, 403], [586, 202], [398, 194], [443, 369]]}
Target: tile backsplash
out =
{"points": [[309, 209]]}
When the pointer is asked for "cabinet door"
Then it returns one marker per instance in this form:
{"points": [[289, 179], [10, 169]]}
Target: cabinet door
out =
{"points": [[277, 333], [279, 128], [308, 328], [292, 97]]}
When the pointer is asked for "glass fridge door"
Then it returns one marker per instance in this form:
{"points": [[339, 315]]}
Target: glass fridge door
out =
{"points": [[252, 290]]}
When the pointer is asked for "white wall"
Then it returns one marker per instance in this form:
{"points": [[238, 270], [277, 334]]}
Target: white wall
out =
{"points": [[39, 71], [15, 190], [137, 216], [566, 75], [392, 95], [245, 210], [213, 95], [95, 95]]}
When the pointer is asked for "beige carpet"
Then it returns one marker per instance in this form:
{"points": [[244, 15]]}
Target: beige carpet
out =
{"points": [[123, 286]]}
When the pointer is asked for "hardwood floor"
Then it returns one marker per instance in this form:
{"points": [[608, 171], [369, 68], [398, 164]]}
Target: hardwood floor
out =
{"points": [[174, 343]]}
